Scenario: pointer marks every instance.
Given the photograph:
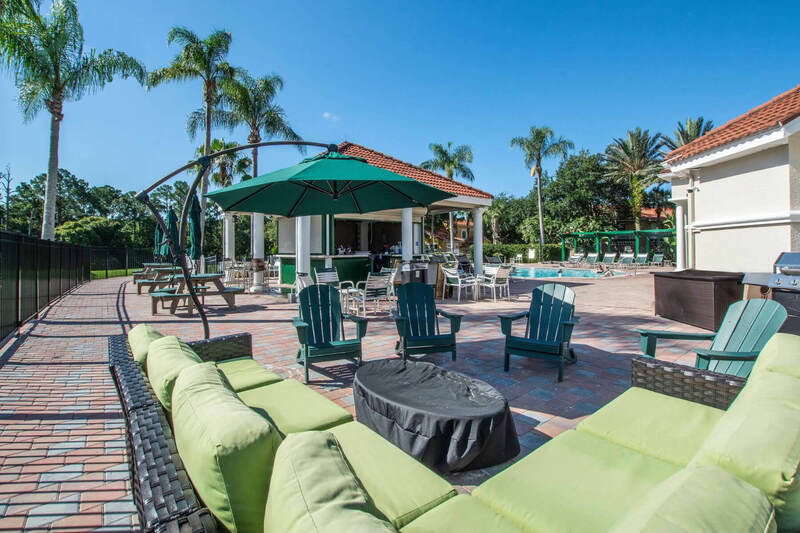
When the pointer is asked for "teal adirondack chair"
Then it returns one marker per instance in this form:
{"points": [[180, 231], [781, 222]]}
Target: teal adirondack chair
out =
{"points": [[417, 322], [745, 329], [548, 330], [320, 328]]}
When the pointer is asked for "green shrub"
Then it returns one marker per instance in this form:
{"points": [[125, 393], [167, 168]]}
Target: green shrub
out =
{"points": [[551, 252]]}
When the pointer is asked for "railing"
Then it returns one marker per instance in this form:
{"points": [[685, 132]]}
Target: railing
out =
{"points": [[35, 272]]}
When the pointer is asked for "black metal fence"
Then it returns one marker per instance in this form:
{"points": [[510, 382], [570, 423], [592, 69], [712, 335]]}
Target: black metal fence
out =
{"points": [[34, 272]]}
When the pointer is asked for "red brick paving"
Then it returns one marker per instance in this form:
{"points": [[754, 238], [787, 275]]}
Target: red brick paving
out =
{"points": [[61, 440]]}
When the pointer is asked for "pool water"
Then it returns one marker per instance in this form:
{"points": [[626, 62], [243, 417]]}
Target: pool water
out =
{"points": [[532, 273]]}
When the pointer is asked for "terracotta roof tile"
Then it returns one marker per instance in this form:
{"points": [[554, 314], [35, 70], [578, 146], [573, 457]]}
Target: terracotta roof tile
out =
{"points": [[433, 179], [778, 111]]}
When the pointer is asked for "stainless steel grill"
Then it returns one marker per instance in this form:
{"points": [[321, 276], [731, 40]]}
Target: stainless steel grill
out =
{"points": [[782, 285]]}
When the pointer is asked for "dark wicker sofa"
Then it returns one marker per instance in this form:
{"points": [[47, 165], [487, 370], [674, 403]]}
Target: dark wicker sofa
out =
{"points": [[164, 497], [163, 494]]}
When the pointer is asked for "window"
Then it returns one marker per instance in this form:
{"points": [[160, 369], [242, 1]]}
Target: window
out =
{"points": [[463, 234]]}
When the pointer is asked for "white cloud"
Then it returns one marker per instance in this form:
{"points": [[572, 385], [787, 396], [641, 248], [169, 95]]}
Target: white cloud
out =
{"points": [[327, 115]]}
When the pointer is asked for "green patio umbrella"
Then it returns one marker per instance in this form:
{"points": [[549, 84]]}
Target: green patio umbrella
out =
{"points": [[159, 239], [172, 229], [195, 250], [329, 183]]}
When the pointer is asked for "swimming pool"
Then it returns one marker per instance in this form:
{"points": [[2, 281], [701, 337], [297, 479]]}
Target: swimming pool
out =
{"points": [[531, 273]]}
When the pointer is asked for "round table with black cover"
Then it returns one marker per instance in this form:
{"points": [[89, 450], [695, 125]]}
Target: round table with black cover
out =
{"points": [[444, 419]]}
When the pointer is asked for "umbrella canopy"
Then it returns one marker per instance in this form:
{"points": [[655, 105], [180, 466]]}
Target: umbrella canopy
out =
{"points": [[195, 250], [172, 229], [159, 239], [329, 183]]}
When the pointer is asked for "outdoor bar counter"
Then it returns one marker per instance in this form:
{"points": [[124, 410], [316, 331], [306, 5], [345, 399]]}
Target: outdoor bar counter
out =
{"points": [[351, 267]]}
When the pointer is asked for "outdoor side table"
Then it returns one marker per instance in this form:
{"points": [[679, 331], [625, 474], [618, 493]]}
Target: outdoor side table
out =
{"points": [[446, 420]]}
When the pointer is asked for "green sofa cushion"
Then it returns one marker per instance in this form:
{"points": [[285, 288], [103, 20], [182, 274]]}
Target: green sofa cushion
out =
{"points": [[781, 354], [292, 407], [654, 424], [166, 358], [463, 514], [226, 447], [139, 339], [401, 487], [758, 440], [313, 489], [575, 482], [244, 373], [702, 500]]}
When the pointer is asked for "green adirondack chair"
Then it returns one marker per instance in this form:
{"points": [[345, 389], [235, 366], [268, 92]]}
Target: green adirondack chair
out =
{"points": [[416, 318], [745, 329], [320, 328], [548, 330]]}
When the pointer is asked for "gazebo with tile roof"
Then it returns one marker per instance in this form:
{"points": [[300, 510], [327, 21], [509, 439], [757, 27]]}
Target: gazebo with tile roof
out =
{"points": [[308, 242]]}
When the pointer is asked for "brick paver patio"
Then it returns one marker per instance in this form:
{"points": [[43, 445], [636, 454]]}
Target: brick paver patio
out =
{"points": [[62, 457]]}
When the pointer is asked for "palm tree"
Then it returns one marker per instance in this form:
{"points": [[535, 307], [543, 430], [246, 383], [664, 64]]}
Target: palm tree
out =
{"points": [[540, 144], [228, 166], [202, 59], [50, 66], [686, 133], [247, 101], [636, 161], [453, 162]]}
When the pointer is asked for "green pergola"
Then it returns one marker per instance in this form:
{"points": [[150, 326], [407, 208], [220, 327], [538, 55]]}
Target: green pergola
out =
{"points": [[598, 235]]}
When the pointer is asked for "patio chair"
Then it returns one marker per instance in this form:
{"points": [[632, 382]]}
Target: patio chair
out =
{"points": [[374, 289], [641, 259], [330, 276], [320, 328], [657, 260], [453, 278], [609, 258], [493, 260], [392, 272], [745, 329], [303, 280], [498, 280], [548, 328], [417, 322]]}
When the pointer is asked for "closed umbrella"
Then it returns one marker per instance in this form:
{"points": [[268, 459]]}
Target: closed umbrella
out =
{"points": [[195, 250], [159, 239], [329, 183], [172, 230]]}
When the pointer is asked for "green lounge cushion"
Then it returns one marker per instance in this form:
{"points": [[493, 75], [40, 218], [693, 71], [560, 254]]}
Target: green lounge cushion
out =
{"points": [[244, 373], [139, 339], [574, 482], [292, 407], [463, 514], [758, 440], [166, 358], [226, 447], [401, 487], [313, 490], [701, 500], [654, 424], [781, 354]]}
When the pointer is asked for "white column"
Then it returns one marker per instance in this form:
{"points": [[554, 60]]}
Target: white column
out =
{"points": [[228, 239], [450, 224], [408, 234], [364, 240], [680, 237], [302, 240], [477, 244], [257, 246]]}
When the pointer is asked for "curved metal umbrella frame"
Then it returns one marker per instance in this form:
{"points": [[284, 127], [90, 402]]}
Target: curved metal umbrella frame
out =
{"points": [[178, 249]]}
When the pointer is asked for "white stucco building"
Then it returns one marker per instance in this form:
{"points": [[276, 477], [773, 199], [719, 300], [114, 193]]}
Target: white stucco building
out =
{"points": [[737, 190]]}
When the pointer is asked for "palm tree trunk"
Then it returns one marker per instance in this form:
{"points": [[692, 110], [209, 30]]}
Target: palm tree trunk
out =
{"points": [[495, 229], [541, 215], [49, 210]]}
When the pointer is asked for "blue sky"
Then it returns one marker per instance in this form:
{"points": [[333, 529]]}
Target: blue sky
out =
{"points": [[397, 76]]}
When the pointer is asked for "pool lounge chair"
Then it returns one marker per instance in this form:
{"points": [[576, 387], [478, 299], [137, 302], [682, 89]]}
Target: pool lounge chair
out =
{"points": [[641, 259], [657, 260], [591, 259], [609, 258], [625, 260], [574, 259]]}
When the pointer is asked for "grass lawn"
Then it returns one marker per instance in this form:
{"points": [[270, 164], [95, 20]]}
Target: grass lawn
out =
{"points": [[116, 273]]}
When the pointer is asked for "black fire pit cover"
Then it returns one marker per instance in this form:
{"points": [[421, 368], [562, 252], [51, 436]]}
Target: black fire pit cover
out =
{"points": [[444, 419]]}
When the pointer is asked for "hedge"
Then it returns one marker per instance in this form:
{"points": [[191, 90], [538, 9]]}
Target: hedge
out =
{"points": [[551, 252]]}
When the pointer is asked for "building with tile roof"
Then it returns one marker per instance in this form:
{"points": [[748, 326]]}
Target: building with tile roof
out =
{"points": [[736, 189]]}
